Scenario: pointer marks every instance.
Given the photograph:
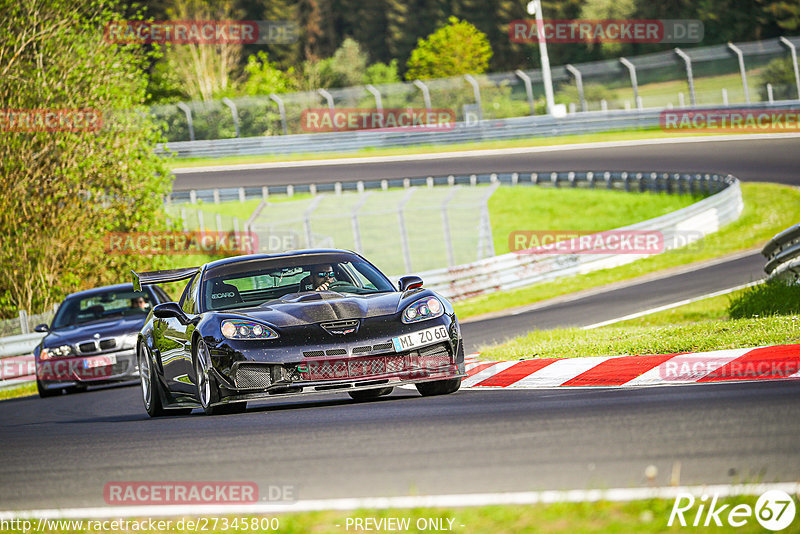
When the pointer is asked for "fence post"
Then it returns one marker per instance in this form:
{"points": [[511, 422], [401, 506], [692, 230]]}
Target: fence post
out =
{"points": [[216, 196], [724, 96], [188, 112], [201, 223], [485, 243], [329, 98], [476, 90], [228, 102], [793, 50], [426, 94], [403, 233], [282, 110], [183, 220], [634, 82], [23, 322], [689, 76], [193, 196], [769, 93], [219, 224], [738, 51], [354, 222], [528, 89], [448, 239], [377, 94], [307, 220], [579, 83]]}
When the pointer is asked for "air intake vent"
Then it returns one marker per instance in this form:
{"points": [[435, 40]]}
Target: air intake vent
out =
{"points": [[253, 377], [335, 352], [108, 344], [362, 350], [314, 353], [383, 346], [87, 347]]}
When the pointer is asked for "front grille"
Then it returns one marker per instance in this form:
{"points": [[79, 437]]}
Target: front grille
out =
{"points": [[434, 357], [108, 344], [340, 327], [87, 347], [354, 368], [361, 350], [253, 377], [335, 352], [314, 353], [383, 346]]}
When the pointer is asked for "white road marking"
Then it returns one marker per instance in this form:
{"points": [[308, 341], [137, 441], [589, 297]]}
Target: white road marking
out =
{"points": [[478, 153], [418, 501]]}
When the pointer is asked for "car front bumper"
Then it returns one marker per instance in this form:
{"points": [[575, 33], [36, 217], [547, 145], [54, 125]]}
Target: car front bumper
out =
{"points": [[117, 366]]}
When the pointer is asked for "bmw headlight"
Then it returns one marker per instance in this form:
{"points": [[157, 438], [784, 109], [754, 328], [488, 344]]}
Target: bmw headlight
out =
{"points": [[243, 329], [423, 309], [55, 352]]}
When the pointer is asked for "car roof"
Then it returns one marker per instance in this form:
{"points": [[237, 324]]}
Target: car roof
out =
{"points": [[103, 289], [288, 254]]}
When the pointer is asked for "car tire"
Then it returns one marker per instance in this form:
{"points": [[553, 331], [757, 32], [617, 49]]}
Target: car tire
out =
{"points": [[370, 394], [439, 387], [207, 388], [151, 390], [44, 393]]}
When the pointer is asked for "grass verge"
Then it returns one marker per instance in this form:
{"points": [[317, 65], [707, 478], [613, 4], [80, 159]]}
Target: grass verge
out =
{"points": [[626, 135], [18, 391], [699, 326], [643, 516], [769, 208]]}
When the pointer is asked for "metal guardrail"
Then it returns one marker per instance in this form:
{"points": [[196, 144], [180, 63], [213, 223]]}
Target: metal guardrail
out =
{"points": [[513, 270], [22, 344], [486, 130], [783, 255]]}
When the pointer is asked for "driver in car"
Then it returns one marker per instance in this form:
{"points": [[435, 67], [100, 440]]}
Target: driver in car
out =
{"points": [[320, 279]]}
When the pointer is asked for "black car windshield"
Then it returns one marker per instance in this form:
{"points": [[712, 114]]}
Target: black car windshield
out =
{"points": [[256, 286], [100, 306]]}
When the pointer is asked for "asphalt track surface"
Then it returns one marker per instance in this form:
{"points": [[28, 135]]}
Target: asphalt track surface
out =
{"points": [[768, 160], [60, 452]]}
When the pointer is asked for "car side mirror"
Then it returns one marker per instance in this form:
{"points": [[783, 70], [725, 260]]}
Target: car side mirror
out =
{"points": [[409, 282], [170, 309], [41, 328]]}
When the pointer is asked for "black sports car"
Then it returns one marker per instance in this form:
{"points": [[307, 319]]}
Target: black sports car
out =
{"points": [[92, 338], [313, 321]]}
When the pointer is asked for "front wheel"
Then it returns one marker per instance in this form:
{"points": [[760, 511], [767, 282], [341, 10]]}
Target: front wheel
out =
{"points": [[150, 392], [207, 389], [439, 387]]}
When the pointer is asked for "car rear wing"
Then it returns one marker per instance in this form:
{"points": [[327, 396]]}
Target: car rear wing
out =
{"points": [[159, 277]]}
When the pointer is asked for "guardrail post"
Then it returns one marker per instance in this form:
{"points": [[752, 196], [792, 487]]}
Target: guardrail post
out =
{"points": [[228, 102], [528, 89], [793, 50], [377, 94], [724, 96], [689, 76], [769, 93], [241, 194], [282, 110], [476, 90], [634, 82], [426, 94], [579, 84], [193, 196], [738, 51], [188, 112], [403, 233], [265, 192], [216, 196]]}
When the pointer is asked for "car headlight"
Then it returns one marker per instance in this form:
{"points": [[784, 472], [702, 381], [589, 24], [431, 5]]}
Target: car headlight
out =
{"points": [[423, 309], [55, 352], [242, 329]]}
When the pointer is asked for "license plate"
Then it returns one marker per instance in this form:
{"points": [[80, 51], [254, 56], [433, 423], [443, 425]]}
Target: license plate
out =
{"points": [[99, 361], [429, 336]]}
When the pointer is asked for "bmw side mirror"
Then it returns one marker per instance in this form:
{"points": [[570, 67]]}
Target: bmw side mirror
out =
{"points": [[409, 282], [170, 309], [41, 328]]}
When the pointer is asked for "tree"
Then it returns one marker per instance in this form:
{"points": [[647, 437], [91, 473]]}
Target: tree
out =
{"points": [[264, 77], [381, 73], [780, 73], [457, 48], [64, 190]]}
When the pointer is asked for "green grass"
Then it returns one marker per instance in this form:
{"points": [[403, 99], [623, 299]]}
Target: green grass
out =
{"points": [[772, 298], [652, 133], [769, 208], [24, 390], [642, 516], [515, 208], [700, 326]]}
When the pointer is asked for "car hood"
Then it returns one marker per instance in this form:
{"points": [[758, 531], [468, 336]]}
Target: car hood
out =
{"points": [[309, 308], [118, 326]]}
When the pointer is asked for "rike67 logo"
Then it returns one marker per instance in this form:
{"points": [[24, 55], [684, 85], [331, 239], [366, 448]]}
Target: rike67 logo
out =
{"points": [[774, 510]]}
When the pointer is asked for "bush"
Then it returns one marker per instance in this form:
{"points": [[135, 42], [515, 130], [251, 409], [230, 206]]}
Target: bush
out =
{"points": [[455, 49], [780, 73]]}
